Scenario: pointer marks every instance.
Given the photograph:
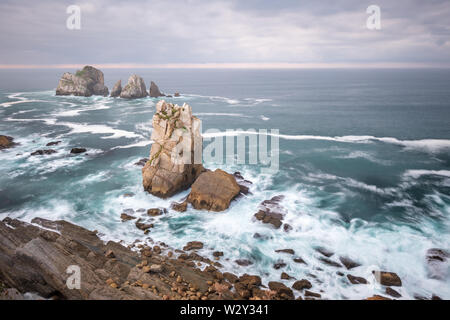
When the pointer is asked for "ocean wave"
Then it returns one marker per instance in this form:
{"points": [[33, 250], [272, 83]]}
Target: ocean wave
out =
{"points": [[418, 173], [239, 115], [142, 143], [19, 100], [429, 145], [99, 129]]}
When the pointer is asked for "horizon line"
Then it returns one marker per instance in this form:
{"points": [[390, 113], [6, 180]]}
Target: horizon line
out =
{"points": [[280, 65]]}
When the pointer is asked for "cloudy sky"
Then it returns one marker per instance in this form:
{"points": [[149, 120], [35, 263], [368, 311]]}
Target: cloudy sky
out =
{"points": [[233, 33]]}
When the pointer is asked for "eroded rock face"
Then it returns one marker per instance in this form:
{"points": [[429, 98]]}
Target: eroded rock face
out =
{"points": [[135, 88], [213, 190], [154, 91], [175, 156], [86, 82], [117, 89]]}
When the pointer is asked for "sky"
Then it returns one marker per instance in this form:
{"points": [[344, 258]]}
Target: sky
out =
{"points": [[230, 34]]}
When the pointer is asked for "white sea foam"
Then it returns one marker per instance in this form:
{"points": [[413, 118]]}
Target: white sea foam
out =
{"points": [[239, 115], [418, 173], [19, 100], [264, 118], [429, 145], [142, 143]]}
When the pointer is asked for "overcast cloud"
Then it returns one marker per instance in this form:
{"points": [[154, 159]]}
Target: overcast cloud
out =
{"points": [[245, 31]]}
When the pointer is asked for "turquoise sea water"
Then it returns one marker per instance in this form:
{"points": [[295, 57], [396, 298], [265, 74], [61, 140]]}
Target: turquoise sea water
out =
{"points": [[364, 166]]}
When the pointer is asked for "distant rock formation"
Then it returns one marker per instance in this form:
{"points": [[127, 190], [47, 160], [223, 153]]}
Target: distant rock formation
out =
{"points": [[213, 190], [117, 89], [176, 135], [6, 142], [135, 88], [154, 91], [86, 82]]}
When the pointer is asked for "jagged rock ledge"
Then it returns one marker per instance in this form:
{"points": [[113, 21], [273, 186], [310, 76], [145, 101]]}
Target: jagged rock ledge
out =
{"points": [[35, 258]]}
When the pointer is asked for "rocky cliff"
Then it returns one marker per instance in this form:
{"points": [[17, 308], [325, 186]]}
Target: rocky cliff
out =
{"points": [[86, 82], [173, 165]]}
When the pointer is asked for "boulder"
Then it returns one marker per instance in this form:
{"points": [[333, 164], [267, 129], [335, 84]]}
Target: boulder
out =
{"points": [[391, 292], [281, 290], [193, 245], [387, 278], [117, 89], [179, 206], [6, 142], [356, 280], [175, 155], [349, 263], [213, 190], [78, 150], [86, 82], [271, 212], [53, 143], [288, 251], [135, 88], [154, 91], [302, 284]]}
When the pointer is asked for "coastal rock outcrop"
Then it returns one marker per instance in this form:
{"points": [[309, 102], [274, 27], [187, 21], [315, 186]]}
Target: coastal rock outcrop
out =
{"points": [[117, 89], [175, 156], [86, 82], [154, 91], [134, 89], [213, 190], [43, 257], [6, 142], [271, 211]]}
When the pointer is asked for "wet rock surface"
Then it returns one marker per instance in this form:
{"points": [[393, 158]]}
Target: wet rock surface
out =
{"points": [[213, 190], [387, 278], [6, 142], [43, 152], [271, 212]]}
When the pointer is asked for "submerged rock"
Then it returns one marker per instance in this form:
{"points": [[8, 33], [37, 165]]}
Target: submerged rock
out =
{"points": [[141, 162], [6, 142], [135, 88], [154, 91], [349, 263], [213, 190], [356, 280], [86, 82], [53, 143], [78, 150], [43, 152], [117, 89]]}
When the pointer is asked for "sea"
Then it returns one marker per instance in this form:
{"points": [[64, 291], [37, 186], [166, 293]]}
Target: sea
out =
{"points": [[364, 168]]}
